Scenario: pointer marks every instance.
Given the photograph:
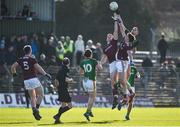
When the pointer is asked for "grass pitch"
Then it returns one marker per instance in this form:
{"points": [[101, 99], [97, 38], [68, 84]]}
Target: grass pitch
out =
{"points": [[102, 117]]}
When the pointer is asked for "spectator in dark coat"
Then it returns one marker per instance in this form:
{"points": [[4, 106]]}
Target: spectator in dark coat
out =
{"points": [[50, 51], [10, 56], [162, 47], [2, 59]]}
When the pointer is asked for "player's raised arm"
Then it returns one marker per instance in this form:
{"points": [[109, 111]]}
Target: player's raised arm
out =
{"points": [[103, 59], [115, 33], [13, 68], [122, 28]]}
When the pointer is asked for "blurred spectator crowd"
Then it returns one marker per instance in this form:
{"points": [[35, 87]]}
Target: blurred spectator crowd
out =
{"points": [[48, 49]]}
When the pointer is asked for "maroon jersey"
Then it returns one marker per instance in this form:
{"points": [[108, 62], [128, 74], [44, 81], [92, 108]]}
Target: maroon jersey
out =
{"points": [[122, 51], [27, 65], [110, 51]]}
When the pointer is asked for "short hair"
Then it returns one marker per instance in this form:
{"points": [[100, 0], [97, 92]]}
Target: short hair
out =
{"points": [[66, 61], [88, 53], [27, 49]]}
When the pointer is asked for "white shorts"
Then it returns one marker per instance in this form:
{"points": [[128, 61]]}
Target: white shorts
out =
{"points": [[88, 85], [121, 66], [32, 83], [112, 67]]}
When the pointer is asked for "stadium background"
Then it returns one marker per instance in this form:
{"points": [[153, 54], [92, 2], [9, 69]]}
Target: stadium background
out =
{"points": [[92, 19]]}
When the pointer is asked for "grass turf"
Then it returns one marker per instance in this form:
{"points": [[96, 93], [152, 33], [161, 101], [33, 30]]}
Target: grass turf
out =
{"points": [[102, 117]]}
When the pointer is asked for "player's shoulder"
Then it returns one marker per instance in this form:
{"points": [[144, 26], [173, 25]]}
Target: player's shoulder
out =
{"points": [[84, 60], [93, 59], [32, 57]]}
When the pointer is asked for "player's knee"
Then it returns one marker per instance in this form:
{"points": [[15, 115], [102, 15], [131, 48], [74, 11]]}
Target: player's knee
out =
{"points": [[41, 95], [92, 95]]}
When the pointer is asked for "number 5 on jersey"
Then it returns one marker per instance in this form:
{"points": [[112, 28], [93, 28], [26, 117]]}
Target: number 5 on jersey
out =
{"points": [[25, 65]]}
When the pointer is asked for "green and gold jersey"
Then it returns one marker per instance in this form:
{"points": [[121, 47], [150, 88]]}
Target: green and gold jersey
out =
{"points": [[132, 76], [89, 67]]}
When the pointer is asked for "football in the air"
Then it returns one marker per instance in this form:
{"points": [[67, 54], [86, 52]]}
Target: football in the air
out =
{"points": [[113, 6]]}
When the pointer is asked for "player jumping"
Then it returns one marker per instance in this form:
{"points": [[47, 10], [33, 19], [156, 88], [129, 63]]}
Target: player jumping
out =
{"points": [[109, 54], [122, 57]]}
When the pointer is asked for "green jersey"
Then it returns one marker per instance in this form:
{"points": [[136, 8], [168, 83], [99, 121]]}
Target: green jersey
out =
{"points": [[132, 76], [89, 67]]}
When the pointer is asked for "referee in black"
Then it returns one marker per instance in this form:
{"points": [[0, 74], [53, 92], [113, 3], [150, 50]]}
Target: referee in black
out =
{"points": [[61, 82]]}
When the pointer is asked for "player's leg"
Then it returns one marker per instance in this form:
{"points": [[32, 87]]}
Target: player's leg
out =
{"points": [[64, 107], [130, 104], [40, 94], [31, 85], [127, 77], [114, 89], [121, 77], [128, 71], [57, 116], [92, 96], [65, 98], [129, 108], [113, 75], [131, 91], [90, 105], [32, 95]]}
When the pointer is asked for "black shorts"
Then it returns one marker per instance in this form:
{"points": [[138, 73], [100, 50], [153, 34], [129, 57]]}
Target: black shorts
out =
{"points": [[64, 96]]}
